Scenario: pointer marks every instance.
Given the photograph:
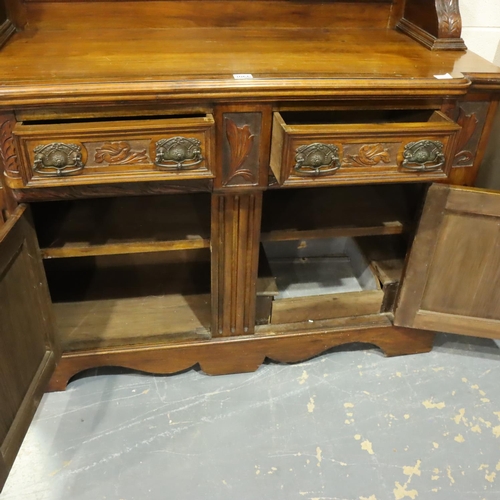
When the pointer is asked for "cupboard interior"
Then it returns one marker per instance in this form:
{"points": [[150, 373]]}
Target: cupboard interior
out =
{"points": [[127, 270], [115, 265], [337, 251]]}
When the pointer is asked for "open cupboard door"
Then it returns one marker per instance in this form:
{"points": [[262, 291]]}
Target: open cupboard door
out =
{"points": [[27, 349], [452, 279]]}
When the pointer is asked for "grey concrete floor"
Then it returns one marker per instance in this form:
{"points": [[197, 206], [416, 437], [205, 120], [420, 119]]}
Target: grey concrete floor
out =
{"points": [[349, 424]]}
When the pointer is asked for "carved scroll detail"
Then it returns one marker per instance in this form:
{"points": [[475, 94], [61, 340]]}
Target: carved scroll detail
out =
{"points": [[119, 153], [7, 149], [369, 155], [241, 142], [449, 19], [468, 124]]}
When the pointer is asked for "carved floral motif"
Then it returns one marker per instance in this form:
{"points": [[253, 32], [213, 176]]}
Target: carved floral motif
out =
{"points": [[241, 141], [450, 21], [119, 153], [468, 124], [369, 155]]}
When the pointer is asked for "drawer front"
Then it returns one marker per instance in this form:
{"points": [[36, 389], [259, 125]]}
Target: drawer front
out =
{"points": [[364, 153], [121, 151]]}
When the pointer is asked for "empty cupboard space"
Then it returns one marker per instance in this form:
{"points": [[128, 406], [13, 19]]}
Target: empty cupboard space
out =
{"points": [[127, 271], [344, 259]]}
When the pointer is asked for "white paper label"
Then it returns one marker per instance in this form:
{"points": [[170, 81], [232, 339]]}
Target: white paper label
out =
{"points": [[444, 77], [243, 76]]}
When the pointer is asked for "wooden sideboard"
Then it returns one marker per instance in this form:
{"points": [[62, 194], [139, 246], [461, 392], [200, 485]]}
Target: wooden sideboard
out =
{"points": [[217, 182]]}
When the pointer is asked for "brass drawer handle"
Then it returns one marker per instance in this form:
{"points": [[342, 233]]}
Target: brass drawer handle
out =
{"points": [[178, 153], [423, 156], [317, 159], [58, 159]]}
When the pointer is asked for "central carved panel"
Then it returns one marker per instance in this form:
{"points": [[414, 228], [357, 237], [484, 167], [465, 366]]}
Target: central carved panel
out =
{"points": [[241, 146]]}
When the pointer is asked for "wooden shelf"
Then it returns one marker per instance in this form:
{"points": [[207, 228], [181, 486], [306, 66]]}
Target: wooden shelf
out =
{"points": [[107, 301], [339, 211], [116, 226], [98, 324]]}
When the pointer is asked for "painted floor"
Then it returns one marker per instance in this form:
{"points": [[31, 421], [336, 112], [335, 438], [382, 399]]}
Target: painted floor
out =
{"points": [[349, 424]]}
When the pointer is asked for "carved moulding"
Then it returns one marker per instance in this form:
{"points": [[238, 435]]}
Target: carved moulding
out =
{"points": [[8, 152]]}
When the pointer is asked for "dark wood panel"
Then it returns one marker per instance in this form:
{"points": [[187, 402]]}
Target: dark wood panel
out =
{"points": [[452, 281], [199, 13]]}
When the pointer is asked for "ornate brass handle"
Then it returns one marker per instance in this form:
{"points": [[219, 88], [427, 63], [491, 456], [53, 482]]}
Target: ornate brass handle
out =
{"points": [[58, 159], [423, 156], [317, 159], [178, 153]]}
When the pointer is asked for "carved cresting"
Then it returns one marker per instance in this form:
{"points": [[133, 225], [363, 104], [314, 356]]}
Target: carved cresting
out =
{"points": [[119, 153], [449, 19], [7, 148]]}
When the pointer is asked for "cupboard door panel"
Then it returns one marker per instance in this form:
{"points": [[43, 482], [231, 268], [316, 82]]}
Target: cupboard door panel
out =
{"points": [[27, 347], [452, 280]]}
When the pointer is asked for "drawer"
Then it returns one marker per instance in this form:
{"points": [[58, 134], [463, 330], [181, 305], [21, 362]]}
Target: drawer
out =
{"points": [[61, 154], [327, 148]]}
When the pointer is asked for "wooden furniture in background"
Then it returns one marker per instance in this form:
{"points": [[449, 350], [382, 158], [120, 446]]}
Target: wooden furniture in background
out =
{"points": [[196, 182]]}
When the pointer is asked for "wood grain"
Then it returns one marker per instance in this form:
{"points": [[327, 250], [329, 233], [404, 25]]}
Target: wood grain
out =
{"points": [[390, 131], [150, 320], [319, 307], [28, 351], [123, 225], [291, 343], [104, 65], [235, 252], [453, 273]]}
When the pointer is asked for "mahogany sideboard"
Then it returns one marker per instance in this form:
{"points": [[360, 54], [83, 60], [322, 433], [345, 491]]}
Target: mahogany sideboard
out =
{"points": [[189, 182]]}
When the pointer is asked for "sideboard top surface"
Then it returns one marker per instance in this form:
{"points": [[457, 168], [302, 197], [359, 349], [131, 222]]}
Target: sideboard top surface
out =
{"points": [[93, 51], [202, 61]]}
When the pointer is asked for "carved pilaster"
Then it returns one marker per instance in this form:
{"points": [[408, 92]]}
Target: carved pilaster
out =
{"points": [[235, 249], [8, 153], [8, 162]]}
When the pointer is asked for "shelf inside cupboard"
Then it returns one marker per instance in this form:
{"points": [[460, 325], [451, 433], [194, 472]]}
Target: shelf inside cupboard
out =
{"points": [[114, 226], [316, 213], [133, 299]]}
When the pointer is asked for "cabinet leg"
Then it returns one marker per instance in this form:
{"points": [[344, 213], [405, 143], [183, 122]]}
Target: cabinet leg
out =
{"points": [[400, 341], [235, 253]]}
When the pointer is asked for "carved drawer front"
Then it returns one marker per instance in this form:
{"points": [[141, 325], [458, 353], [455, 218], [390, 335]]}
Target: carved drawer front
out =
{"points": [[114, 151], [361, 146]]}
